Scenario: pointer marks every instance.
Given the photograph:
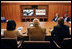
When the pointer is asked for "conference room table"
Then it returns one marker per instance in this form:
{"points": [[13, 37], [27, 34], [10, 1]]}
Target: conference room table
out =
{"points": [[48, 25]]}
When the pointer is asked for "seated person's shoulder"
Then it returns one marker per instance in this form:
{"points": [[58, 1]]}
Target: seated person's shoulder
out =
{"points": [[11, 31], [5, 31], [16, 31], [30, 27], [60, 26], [43, 28], [66, 26], [56, 26]]}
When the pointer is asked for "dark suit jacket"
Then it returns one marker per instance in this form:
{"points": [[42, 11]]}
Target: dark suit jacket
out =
{"points": [[54, 19], [68, 19], [60, 32]]}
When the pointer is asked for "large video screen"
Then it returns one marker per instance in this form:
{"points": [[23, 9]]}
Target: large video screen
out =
{"points": [[40, 11], [28, 12]]}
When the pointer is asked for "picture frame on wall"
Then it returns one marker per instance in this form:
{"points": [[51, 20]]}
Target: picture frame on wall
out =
{"points": [[28, 12], [40, 12]]}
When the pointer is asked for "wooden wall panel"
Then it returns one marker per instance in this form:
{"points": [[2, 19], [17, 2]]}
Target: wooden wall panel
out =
{"points": [[69, 10], [2, 10], [51, 13], [18, 13], [13, 10]]}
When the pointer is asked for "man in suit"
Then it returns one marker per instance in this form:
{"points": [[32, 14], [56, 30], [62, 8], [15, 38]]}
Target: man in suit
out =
{"points": [[35, 32], [3, 19], [60, 31], [66, 18], [56, 17]]}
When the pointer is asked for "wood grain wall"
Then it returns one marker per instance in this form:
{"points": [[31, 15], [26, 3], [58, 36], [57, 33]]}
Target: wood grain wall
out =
{"points": [[13, 10]]}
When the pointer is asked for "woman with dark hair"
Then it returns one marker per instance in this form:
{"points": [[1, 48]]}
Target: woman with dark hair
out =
{"points": [[11, 25], [11, 31]]}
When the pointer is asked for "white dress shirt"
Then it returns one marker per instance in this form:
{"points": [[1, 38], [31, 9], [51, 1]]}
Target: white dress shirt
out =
{"points": [[65, 19]]}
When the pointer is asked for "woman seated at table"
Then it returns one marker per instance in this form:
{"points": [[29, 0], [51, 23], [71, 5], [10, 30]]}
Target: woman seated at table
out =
{"points": [[36, 33], [11, 31]]}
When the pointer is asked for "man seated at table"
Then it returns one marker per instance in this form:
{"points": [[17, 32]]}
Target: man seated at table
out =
{"points": [[60, 31], [66, 18], [3, 19], [36, 33], [56, 17]]}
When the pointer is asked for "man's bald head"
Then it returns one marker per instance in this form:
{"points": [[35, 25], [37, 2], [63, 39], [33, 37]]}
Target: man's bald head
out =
{"points": [[36, 22]]}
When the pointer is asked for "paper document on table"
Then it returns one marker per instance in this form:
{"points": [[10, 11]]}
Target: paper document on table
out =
{"points": [[50, 30], [19, 28], [70, 30], [31, 24], [2, 31], [70, 22]]}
